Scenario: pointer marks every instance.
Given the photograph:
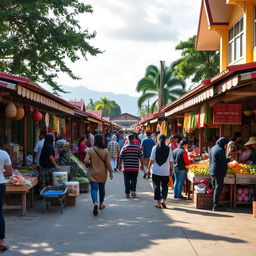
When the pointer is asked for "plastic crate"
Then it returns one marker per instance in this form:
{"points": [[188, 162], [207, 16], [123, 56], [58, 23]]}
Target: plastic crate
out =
{"points": [[203, 201]]}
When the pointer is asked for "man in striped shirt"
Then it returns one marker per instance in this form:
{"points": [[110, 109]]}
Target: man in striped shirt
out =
{"points": [[131, 156]]}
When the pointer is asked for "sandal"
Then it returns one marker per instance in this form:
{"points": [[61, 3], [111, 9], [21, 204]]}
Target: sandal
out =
{"points": [[95, 210], [102, 206], [164, 205], [4, 247], [158, 206]]}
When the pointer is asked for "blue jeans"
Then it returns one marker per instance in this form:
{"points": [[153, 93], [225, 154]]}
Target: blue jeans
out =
{"points": [[95, 187], [2, 222], [179, 181]]}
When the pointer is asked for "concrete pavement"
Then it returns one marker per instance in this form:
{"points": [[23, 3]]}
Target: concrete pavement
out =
{"points": [[131, 227]]}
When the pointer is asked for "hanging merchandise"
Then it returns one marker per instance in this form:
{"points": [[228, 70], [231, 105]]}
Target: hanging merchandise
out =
{"points": [[163, 129], [30, 109], [205, 115], [186, 121], [20, 113], [158, 128], [148, 128], [10, 110], [192, 121], [63, 126], [52, 124], [47, 120], [37, 116], [57, 124]]}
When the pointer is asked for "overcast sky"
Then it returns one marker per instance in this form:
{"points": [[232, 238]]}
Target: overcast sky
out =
{"points": [[133, 34]]}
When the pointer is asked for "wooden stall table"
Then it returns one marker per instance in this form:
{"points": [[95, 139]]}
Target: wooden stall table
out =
{"points": [[193, 179], [23, 191], [244, 180]]}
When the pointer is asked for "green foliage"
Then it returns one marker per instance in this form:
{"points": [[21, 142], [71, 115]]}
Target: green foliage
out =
{"points": [[197, 65], [37, 37], [109, 107], [91, 105], [149, 86]]}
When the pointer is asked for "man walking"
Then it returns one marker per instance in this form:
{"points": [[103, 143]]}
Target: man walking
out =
{"points": [[38, 148], [218, 170], [113, 152], [131, 156], [147, 144]]}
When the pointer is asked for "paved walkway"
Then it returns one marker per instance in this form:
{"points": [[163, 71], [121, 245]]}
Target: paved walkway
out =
{"points": [[131, 227]]}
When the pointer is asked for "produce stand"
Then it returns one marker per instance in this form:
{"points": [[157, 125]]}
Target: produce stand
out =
{"points": [[243, 179], [22, 190]]}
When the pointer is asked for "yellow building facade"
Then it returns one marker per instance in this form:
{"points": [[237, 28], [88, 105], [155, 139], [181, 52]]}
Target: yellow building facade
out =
{"points": [[228, 26]]}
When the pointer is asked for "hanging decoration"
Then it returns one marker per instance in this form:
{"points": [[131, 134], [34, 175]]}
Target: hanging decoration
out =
{"points": [[37, 116], [47, 120], [20, 113], [163, 128], [10, 110]]}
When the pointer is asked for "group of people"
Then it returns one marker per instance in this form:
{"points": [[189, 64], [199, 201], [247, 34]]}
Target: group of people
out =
{"points": [[134, 154]]}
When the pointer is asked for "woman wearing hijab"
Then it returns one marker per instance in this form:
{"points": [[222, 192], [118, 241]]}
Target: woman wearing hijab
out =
{"points": [[162, 160], [97, 161], [47, 162]]}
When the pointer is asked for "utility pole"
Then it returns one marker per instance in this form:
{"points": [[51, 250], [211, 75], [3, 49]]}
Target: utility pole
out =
{"points": [[160, 99]]}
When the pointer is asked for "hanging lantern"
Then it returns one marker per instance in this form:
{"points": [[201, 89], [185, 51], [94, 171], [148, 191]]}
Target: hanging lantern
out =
{"points": [[10, 110], [20, 113], [37, 116]]}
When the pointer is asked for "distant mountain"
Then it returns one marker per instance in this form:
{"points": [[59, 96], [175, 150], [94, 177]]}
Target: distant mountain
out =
{"points": [[127, 103]]}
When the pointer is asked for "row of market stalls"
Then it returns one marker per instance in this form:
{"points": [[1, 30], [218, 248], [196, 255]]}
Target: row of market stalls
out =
{"points": [[26, 109], [218, 107]]}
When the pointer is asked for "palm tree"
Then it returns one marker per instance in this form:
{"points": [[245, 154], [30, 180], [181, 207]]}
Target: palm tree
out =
{"points": [[197, 65], [91, 104], [109, 107], [150, 85]]}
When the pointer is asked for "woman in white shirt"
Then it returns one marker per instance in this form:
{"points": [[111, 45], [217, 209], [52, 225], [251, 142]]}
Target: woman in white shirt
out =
{"points": [[162, 160], [5, 164]]}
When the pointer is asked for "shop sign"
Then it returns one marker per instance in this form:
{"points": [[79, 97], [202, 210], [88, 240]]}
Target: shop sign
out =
{"points": [[227, 114]]}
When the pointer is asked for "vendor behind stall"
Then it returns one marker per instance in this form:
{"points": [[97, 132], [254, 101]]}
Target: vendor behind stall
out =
{"points": [[252, 143], [246, 157], [47, 162], [233, 152]]}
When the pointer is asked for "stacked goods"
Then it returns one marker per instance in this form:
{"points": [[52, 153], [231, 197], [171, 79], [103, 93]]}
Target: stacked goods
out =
{"points": [[238, 168], [251, 169], [200, 168], [244, 194], [83, 184]]}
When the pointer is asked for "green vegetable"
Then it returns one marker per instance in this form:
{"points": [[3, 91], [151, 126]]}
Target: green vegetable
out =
{"points": [[80, 179]]}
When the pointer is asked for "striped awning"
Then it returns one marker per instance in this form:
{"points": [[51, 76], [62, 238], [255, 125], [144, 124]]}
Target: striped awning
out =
{"points": [[29, 94]]}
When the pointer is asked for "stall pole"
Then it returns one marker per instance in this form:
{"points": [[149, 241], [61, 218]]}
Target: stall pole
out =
{"points": [[200, 140], [221, 130], [25, 137]]}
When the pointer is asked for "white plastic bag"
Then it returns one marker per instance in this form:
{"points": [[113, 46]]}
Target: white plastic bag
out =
{"points": [[200, 188]]}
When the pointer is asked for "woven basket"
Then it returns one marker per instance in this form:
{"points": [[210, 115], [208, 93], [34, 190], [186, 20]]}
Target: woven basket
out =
{"points": [[71, 200], [203, 201], [84, 187]]}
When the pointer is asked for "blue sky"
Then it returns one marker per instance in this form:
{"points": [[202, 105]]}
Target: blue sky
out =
{"points": [[133, 34]]}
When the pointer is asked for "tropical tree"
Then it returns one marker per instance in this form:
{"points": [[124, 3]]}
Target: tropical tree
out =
{"points": [[38, 37], [150, 86], [196, 65], [91, 105], [109, 107]]}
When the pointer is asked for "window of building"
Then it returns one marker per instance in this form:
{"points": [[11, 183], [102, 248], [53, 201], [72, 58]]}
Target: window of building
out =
{"points": [[236, 41]]}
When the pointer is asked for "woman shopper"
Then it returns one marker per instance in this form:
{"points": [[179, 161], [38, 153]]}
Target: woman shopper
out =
{"points": [[82, 148], [180, 161], [47, 162], [5, 164], [113, 152], [98, 162], [162, 160]]}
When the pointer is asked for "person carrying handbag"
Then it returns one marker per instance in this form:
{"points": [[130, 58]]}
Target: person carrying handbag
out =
{"points": [[98, 163]]}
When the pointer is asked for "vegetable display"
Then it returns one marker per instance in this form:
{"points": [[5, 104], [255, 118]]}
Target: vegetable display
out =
{"points": [[80, 179]]}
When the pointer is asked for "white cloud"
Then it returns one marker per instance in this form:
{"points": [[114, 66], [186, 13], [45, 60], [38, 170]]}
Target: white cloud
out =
{"points": [[134, 34]]}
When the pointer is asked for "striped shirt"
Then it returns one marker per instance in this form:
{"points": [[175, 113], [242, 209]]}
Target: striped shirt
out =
{"points": [[130, 155], [113, 149]]}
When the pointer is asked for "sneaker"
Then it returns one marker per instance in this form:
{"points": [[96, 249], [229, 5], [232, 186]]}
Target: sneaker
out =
{"points": [[133, 194], [127, 195]]}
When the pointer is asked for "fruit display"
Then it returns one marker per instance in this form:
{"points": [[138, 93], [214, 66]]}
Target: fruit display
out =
{"points": [[200, 168], [238, 168], [251, 169]]}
